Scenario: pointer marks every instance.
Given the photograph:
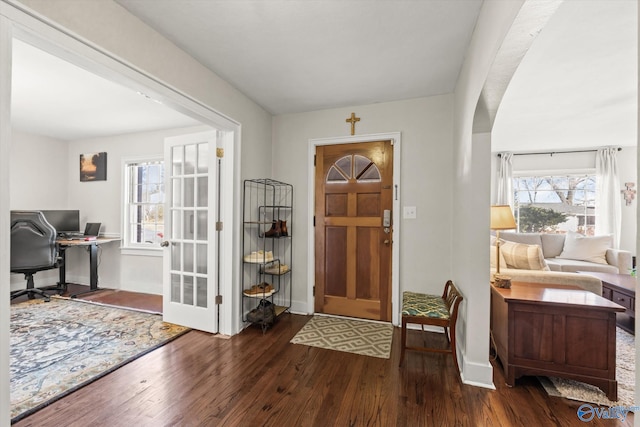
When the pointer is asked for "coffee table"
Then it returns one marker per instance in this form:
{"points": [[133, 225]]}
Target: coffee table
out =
{"points": [[566, 332], [621, 289]]}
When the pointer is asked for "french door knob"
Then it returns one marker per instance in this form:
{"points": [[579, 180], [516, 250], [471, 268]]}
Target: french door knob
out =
{"points": [[164, 244]]}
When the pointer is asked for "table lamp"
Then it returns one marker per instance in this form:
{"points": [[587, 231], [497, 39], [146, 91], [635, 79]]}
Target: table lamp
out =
{"points": [[501, 219]]}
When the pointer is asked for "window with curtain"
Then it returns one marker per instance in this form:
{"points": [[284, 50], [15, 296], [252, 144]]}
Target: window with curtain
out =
{"points": [[144, 203], [555, 203]]}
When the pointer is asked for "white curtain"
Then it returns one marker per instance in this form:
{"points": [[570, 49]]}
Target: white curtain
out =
{"points": [[505, 180], [608, 209]]}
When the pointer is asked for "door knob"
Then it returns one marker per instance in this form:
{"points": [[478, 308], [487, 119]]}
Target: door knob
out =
{"points": [[386, 242], [164, 244]]}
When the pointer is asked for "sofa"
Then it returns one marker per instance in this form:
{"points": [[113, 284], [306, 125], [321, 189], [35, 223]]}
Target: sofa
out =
{"points": [[555, 258]]}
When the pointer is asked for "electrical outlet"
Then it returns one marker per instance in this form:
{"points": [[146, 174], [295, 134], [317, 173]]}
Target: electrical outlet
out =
{"points": [[409, 212]]}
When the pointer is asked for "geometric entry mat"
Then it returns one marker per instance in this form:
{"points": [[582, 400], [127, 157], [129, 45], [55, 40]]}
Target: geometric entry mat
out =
{"points": [[353, 336]]}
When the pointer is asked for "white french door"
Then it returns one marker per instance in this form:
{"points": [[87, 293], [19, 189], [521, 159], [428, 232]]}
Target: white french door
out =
{"points": [[190, 250]]}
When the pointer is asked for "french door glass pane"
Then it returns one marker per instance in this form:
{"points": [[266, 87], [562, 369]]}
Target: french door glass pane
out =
{"points": [[188, 290], [203, 158], [189, 192], [189, 218], [176, 256], [201, 254], [175, 288], [202, 225], [190, 159], [201, 291], [188, 258], [203, 191]]}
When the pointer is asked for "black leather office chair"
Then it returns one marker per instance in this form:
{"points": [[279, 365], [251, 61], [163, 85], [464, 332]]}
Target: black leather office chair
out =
{"points": [[33, 249]]}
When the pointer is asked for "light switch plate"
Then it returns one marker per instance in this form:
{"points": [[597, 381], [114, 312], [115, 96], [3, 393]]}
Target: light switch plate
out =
{"points": [[409, 212]]}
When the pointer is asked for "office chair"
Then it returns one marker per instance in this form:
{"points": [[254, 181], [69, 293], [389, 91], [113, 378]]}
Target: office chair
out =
{"points": [[33, 249]]}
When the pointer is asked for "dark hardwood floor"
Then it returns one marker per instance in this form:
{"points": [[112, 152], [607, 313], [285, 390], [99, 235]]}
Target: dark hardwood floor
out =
{"points": [[137, 300], [256, 379]]}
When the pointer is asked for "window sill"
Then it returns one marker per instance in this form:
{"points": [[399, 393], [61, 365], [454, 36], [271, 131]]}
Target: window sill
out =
{"points": [[152, 252]]}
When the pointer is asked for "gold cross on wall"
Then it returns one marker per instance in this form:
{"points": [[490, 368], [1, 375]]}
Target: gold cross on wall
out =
{"points": [[353, 119]]}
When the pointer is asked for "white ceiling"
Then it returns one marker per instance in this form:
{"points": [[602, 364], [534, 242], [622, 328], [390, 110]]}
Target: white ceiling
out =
{"points": [[294, 56], [54, 98]]}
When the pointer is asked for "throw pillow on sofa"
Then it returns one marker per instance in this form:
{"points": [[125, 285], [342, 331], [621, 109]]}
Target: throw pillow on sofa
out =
{"points": [[583, 248], [523, 257]]}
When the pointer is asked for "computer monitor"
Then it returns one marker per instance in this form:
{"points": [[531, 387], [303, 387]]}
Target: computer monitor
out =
{"points": [[64, 221]]}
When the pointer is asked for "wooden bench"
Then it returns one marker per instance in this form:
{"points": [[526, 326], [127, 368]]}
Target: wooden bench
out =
{"points": [[435, 310]]}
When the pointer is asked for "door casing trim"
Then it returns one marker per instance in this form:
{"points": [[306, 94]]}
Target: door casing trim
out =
{"points": [[395, 138]]}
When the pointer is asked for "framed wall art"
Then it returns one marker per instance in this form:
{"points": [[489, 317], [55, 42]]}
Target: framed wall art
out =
{"points": [[93, 167]]}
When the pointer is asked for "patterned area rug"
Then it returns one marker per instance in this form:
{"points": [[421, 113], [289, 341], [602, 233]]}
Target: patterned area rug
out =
{"points": [[59, 346], [625, 374], [348, 335]]}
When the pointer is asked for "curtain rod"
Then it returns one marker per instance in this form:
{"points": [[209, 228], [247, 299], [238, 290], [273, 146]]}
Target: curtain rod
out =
{"points": [[551, 153]]}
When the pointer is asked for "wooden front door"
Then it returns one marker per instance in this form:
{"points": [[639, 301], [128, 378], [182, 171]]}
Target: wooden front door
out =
{"points": [[353, 190]]}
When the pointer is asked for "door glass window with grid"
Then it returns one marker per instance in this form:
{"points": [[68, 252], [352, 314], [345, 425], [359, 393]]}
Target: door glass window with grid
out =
{"points": [[144, 208], [555, 203]]}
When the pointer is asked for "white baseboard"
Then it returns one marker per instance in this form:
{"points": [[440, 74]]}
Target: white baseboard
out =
{"points": [[299, 307], [477, 374]]}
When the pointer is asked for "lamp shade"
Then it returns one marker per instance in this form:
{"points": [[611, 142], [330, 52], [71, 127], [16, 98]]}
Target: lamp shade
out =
{"points": [[502, 218]]}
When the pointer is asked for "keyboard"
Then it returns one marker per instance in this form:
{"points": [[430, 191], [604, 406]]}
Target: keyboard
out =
{"points": [[71, 236]]}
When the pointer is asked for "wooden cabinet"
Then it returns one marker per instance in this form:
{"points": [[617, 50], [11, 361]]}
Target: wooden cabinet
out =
{"points": [[567, 333], [621, 289], [624, 299]]}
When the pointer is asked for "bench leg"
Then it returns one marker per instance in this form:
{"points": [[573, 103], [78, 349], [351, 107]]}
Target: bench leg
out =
{"points": [[403, 340], [454, 353]]}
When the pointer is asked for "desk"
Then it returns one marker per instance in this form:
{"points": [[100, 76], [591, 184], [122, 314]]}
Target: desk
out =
{"points": [[64, 244], [568, 333]]}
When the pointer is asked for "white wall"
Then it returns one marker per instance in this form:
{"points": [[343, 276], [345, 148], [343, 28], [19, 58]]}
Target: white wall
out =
{"points": [[38, 172], [471, 192], [627, 172], [426, 126], [38, 181]]}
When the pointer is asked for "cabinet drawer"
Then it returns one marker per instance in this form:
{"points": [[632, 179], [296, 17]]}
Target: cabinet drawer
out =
{"points": [[622, 299], [607, 293]]}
